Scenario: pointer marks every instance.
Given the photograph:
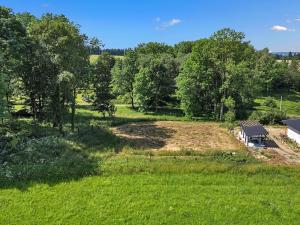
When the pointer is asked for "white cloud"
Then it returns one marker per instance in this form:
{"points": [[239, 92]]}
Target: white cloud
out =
{"points": [[165, 24], [174, 22], [298, 19], [281, 28]]}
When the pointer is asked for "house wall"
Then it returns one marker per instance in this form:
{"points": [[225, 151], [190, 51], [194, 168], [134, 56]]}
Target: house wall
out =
{"points": [[293, 135]]}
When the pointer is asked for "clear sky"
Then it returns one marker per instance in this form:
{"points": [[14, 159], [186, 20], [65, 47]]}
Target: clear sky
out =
{"points": [[125, 23]]}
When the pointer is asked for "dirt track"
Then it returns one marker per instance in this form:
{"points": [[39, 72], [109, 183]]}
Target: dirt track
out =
{"points": [[290, 154]]}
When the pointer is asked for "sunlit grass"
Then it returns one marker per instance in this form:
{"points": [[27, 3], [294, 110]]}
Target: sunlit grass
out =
{"points": [[290, 102], [135, 190]]}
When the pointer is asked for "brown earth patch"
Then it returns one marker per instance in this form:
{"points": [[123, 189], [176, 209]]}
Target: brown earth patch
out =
{"points": [[174, 136]]}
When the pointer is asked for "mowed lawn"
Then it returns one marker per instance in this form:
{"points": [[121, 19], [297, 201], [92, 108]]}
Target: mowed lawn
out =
{"points": [[161, 191]]}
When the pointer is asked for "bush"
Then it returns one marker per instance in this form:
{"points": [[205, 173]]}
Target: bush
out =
{"points": [[269, 117], [270, 102], [48, 158]]}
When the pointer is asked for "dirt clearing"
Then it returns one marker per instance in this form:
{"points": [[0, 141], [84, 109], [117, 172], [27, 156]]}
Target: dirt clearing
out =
{"points": [[174, 136]]}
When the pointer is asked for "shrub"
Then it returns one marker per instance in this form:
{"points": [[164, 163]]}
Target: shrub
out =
{"points": [[48, 158], [269, 117]]}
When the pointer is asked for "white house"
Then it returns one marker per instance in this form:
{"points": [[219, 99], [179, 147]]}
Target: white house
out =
{"points": [[293, 129]]}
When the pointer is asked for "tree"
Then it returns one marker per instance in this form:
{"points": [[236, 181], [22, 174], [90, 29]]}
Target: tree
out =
{"points": [[153, 48], [155, 82], [196, 80], [38, 80], [184, 47], [2, 96], [293, 75], [217, 68], [66, 48], [230, 114], [102, 84], [269, 71], [26, 19], [12, 45], [95, 46], [65, 84], [123, 75]]}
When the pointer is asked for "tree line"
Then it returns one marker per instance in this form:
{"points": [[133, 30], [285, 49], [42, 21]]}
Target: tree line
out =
{"points": [[45, 61], [218, 76]]}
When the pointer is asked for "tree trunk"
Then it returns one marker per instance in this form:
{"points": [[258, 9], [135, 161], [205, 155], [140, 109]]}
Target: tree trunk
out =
{"points": [[131, 96], [221, 111], [33, 108], [59, 114], [73, 110], [7, 103], [156, 100]]}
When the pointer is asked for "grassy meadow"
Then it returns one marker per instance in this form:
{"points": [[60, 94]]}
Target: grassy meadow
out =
{"points": [[93, 58], [290, 102], [93, 176], [199, 189]]}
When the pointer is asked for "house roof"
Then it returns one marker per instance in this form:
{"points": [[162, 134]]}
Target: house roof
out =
{"points": [[294, 124], [253, 128]]}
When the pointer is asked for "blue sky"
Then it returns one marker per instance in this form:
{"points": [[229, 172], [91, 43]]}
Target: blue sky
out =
{"points": [[267, 23]]}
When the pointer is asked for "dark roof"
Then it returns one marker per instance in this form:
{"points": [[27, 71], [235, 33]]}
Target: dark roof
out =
{"points": [[253, 128], [250, 123], [294, 124]]}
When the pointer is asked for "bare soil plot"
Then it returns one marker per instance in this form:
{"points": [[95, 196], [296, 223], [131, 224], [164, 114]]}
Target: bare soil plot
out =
{"points": [[174, 136]]}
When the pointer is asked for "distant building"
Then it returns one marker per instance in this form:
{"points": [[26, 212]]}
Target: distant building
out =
{"points": [[253, 133], [293, 129]]}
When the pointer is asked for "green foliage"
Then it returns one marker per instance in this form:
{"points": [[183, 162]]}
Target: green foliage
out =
{"points": [[154, 84], [2, 97], [230, 115], [123, 75], [153, 48], [12, 47], [48, 158], [293, 75], [217, 68], [273, 116], [184, 47], [270, 72], [101, 83]]}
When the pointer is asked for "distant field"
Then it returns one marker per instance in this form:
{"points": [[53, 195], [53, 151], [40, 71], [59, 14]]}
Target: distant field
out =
{"points": [[290, 102], [93, 58]]}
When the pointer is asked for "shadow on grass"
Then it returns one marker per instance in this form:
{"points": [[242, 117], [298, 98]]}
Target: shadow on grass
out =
{"points": [[54, 159], [144, 135], [48, 160]]}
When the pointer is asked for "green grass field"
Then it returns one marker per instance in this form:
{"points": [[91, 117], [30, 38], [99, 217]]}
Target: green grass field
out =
{"points": [[93, 58], [95, 177], [290, 102], [135, 190]]}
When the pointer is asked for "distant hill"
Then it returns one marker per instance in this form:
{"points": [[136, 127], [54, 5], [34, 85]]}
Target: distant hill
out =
{"points": [[286, 53]]}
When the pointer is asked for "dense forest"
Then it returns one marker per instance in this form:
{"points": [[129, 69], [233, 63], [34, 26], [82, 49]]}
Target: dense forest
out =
{"points": [[44, 64]]}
